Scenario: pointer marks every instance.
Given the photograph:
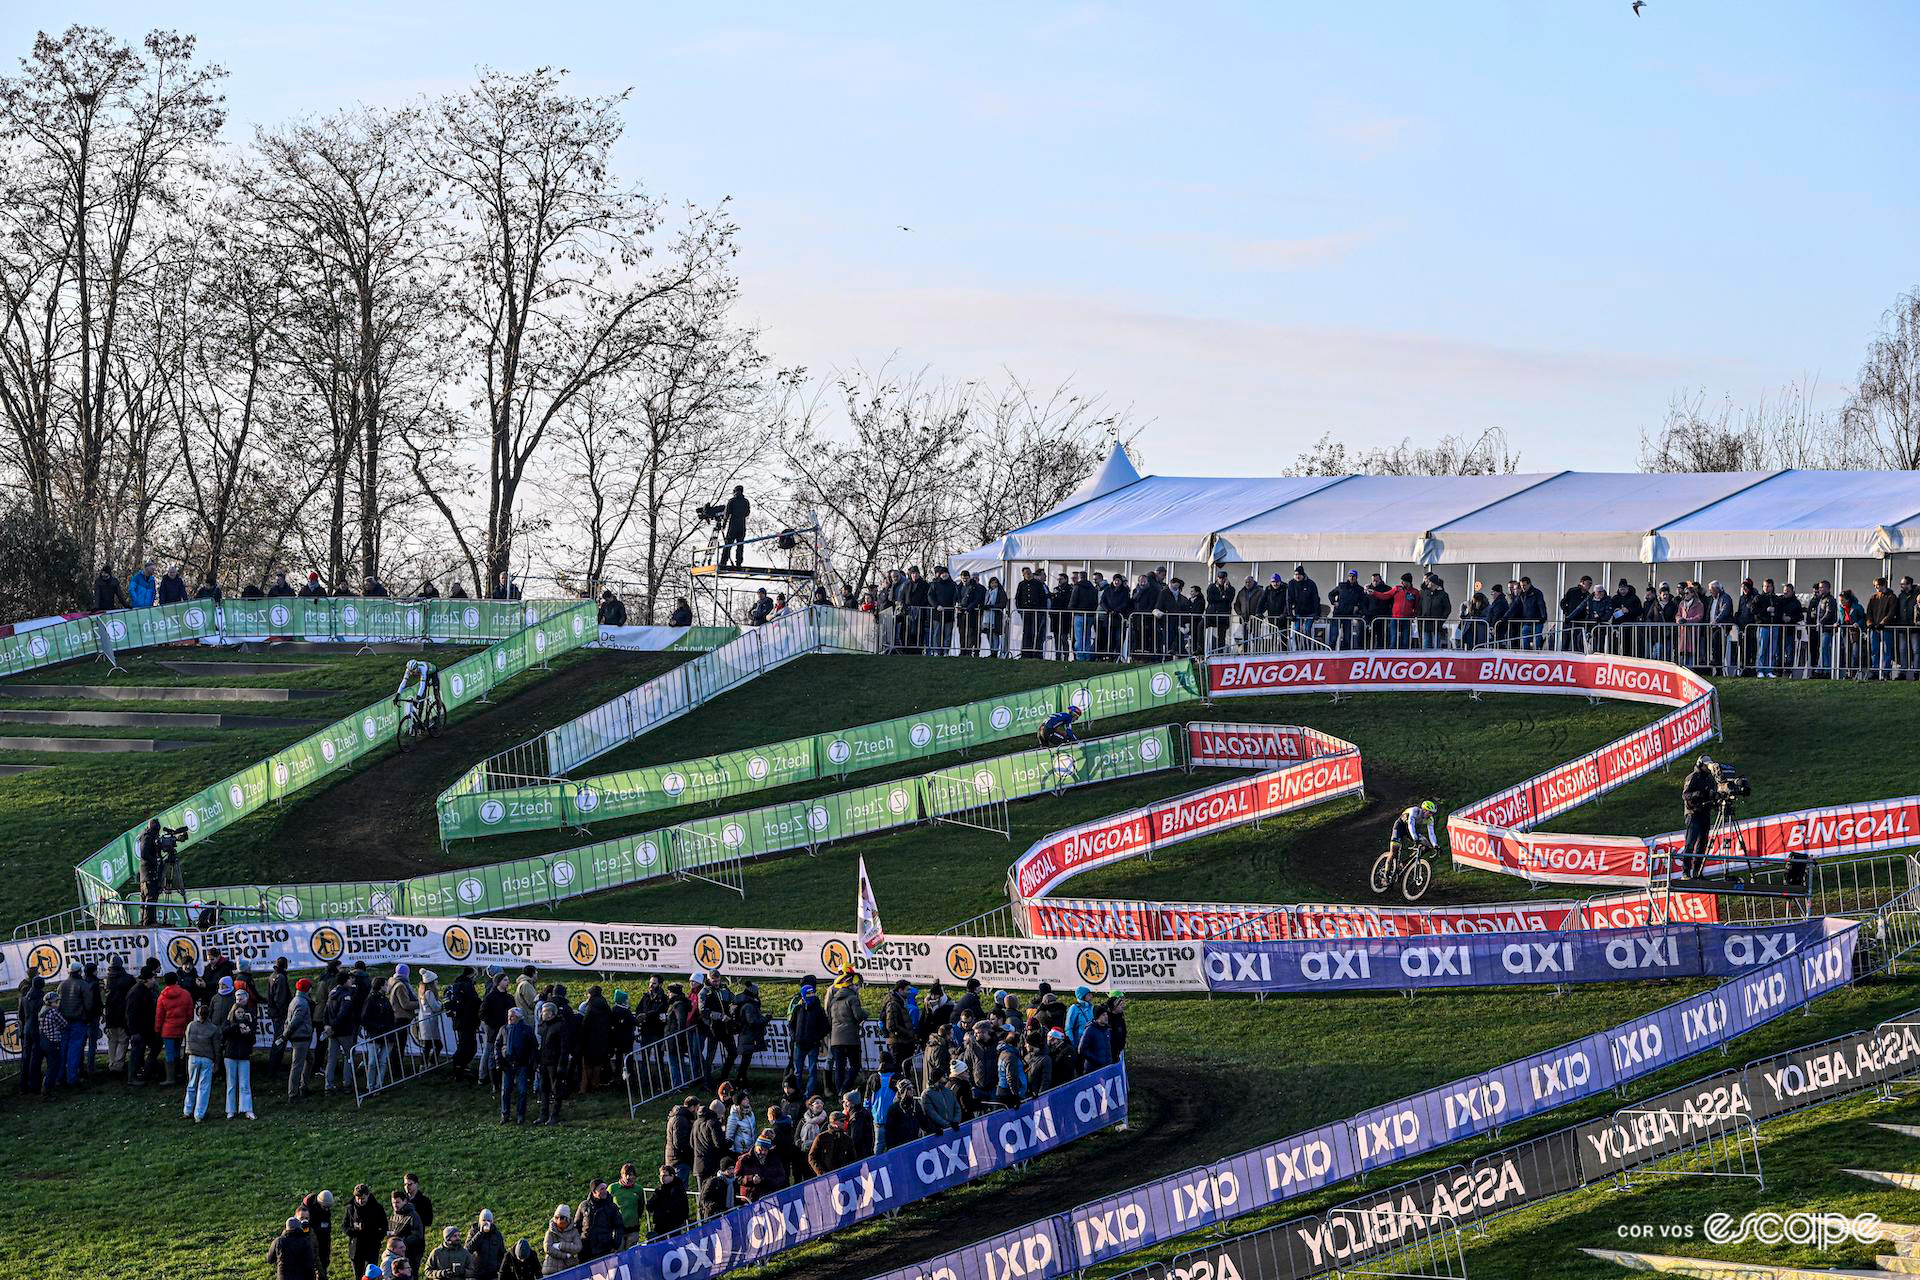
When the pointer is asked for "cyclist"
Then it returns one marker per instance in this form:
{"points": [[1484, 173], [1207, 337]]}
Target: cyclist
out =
{"points": [[1412, 820], [1059, 727], [417, 706]]}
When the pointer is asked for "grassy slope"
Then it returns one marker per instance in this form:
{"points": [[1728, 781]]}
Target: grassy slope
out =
{"points": [[1287, 1063]]}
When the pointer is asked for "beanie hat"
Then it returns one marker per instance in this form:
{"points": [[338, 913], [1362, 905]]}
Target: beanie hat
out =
{"points": [[293, 1224], [401, 971], [1082, 992], [486, 1215], [304, 984], [620, 998], [226, 986]]}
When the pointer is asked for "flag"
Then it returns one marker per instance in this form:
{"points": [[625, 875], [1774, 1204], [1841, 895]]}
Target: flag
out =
{"points": [[870, 932]]}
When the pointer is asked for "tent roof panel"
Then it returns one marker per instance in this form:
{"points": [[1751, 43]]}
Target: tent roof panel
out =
{"points": [[1366, 517], [1584, 515], [1803, 513], [1157, 518]]}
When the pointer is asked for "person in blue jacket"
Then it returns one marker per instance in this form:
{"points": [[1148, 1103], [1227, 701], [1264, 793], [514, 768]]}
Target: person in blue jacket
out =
{"points": [[1059, 727], [142, 586], [1080, 1014]]}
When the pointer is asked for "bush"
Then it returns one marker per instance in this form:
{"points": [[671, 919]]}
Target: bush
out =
{"points": [[43, 568]]}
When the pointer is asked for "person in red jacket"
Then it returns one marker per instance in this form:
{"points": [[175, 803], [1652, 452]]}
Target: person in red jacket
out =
{"points": [[171, 1014], [1403, 605]]}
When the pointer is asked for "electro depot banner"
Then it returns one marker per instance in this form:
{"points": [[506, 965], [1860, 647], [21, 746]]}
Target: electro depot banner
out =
{"points": [[1504, 959], [1274, 1173], [628, 792], [587, 946], [347, 739], [1061, 855], [754, 1233]]}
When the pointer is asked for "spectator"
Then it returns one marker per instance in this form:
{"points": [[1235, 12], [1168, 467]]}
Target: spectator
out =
{"points": [[1823, 619], [1079, 1013], [762, 608], [627, 1195], [1038, 1062], [486, 1248], [405, 1227], [143, 587], [173, 587], [450, 1261], [426, 1017], [458, 591], [716, 1196], [993, 617], [1066, 1063], [844, 1018], [832, 1148], [760, 1171], [291, 1255], [679, 1136], [280, 587], [555, 1033], [504, 588], [941, 1108], [203, 1043], [1303, 604], [740, 1126], [106, 591], [346, 1005], [562, 1245], [314, 588], [53, 1039], [1095, 1045], [970, 599], [1436, 608], [372, 588], [599, 1219], [1882, 617], [708, 1146], [296, 1030], [896, 1023], [366, 1229], [1010, 1072], [521, 1264], [427, 591], [462, 1007], [612, 613], [495, 1007], [667, 1206]]}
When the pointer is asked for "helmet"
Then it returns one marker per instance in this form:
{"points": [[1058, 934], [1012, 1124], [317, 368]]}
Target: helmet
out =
{"points": [[1074, 709], [1429, 806]]}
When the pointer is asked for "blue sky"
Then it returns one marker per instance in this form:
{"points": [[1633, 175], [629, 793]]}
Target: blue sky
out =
{"points": [[1252, 224]]}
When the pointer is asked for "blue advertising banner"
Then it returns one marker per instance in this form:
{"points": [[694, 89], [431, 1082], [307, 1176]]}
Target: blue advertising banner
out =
{"points": [[1501, 959], [753, 1233]]}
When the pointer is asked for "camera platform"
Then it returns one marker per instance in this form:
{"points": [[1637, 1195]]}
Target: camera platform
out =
{"points": [[756, 572], [1737, 888]]}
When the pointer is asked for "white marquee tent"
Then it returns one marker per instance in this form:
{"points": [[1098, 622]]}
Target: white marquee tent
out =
{"points": [[1846, 526]]}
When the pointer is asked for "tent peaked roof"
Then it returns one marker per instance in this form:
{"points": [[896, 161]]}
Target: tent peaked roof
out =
{"points": [[1117, 472]]}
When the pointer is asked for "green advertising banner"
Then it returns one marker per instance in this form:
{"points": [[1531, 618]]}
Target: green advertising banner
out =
{"points": [[1029, 773], [339, 744], [1135, 689]]}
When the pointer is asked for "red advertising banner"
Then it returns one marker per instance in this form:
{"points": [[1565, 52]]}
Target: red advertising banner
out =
{"points": [[1595, 675]]}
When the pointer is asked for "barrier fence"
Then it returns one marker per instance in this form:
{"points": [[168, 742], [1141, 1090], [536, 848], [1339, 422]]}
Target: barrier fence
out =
{"points": [[502, 809], [750, 1234], [1105, 1230], [547, 632]]}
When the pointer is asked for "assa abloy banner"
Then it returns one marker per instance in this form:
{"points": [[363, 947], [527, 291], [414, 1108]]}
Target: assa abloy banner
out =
{"points": [[881, 1184], [1501, 959], [1280, 1171]]}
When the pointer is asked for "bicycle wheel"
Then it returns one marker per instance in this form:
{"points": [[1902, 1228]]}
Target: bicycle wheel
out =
{"points": [[437, 721], [1381, 878], [1416, 878]]}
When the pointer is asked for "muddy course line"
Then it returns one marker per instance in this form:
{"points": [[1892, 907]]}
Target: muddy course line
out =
{"points": [[379, 822], [1176, 1114]]}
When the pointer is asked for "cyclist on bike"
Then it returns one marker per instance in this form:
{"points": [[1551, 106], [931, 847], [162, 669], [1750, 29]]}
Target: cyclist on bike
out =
{"points": [[417, 707], [1411, 821], [1059, 727]]}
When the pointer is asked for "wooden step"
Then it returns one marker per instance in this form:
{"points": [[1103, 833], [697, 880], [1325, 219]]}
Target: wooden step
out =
{"points": [[158, 693], [153, 719], [95, 745]]}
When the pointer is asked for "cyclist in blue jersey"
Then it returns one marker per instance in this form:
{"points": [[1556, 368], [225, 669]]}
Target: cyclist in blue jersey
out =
{"points": [[1059, 727]]}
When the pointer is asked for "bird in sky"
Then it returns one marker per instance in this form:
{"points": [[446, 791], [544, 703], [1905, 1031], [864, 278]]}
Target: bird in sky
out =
{"points": [[1638, 5], [906, 228]]}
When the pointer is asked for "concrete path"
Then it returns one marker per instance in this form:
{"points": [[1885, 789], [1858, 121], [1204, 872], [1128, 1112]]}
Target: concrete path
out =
{"points": [[154, 719], [96, 745], [159, 693]]}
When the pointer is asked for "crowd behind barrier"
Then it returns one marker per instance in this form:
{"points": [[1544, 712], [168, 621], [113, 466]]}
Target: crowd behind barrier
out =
{"points": [[1156, 1212], [1757, 630]]}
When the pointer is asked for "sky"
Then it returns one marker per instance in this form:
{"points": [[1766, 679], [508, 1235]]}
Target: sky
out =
{"points": [[1250, 225]]}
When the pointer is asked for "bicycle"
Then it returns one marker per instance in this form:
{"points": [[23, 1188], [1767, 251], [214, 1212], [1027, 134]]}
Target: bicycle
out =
{"points": [[422, 713], [1409, 866]]}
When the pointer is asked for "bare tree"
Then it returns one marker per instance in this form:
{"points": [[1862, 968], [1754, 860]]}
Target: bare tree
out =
{"points": [[1883, 416], [555, 280], [1785, 429], [1033, 450], [887, 481], [102, 134], [1487, 454], [347, 209]]}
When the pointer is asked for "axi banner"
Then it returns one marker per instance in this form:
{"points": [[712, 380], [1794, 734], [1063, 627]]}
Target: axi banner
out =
{"points": [[865, 1189], [1504, 959]]}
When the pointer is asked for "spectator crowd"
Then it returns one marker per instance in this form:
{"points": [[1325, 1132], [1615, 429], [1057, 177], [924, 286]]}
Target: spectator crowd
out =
{"points": [[147, 587], [941, 1060]]}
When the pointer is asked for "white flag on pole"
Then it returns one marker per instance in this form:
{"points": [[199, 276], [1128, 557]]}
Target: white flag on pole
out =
{"points": [[869, 929]]}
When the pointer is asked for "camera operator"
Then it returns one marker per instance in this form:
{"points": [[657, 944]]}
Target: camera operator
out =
{"points": [[1700, 797], [734, 531]]}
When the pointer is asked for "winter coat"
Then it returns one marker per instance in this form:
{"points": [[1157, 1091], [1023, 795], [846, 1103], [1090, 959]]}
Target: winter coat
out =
{"points": [[831, 1150], [520, 1263], [756, 1174], [203, 1039], [1435, 603], [1303, 598], [366, 1225], [562, 1247], [807, 1023], [680, 1135], [709, 1147], [292, 1257], [141, 589], [488, 1250], [1079, 1018], [238, 1033], [600, 1225], [298, 1024], [1011, 1075], [844, 1016], [448, 1262], [527, 996], [1096, 1047], [406, 1005], [462, 1004], [940, 1109], [172, 1011], [667, 1206]]}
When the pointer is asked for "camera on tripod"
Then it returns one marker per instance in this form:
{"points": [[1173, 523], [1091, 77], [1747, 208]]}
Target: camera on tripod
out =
{"points": [[1729, 783], [171, 838], [712, 512]]}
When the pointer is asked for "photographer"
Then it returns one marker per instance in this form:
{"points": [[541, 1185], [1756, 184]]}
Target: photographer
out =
{"points": [[734, 529], [158, 848], [1700, 798]]}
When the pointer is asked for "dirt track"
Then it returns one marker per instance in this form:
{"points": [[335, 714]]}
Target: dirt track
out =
{"points": [[380, 823]]}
